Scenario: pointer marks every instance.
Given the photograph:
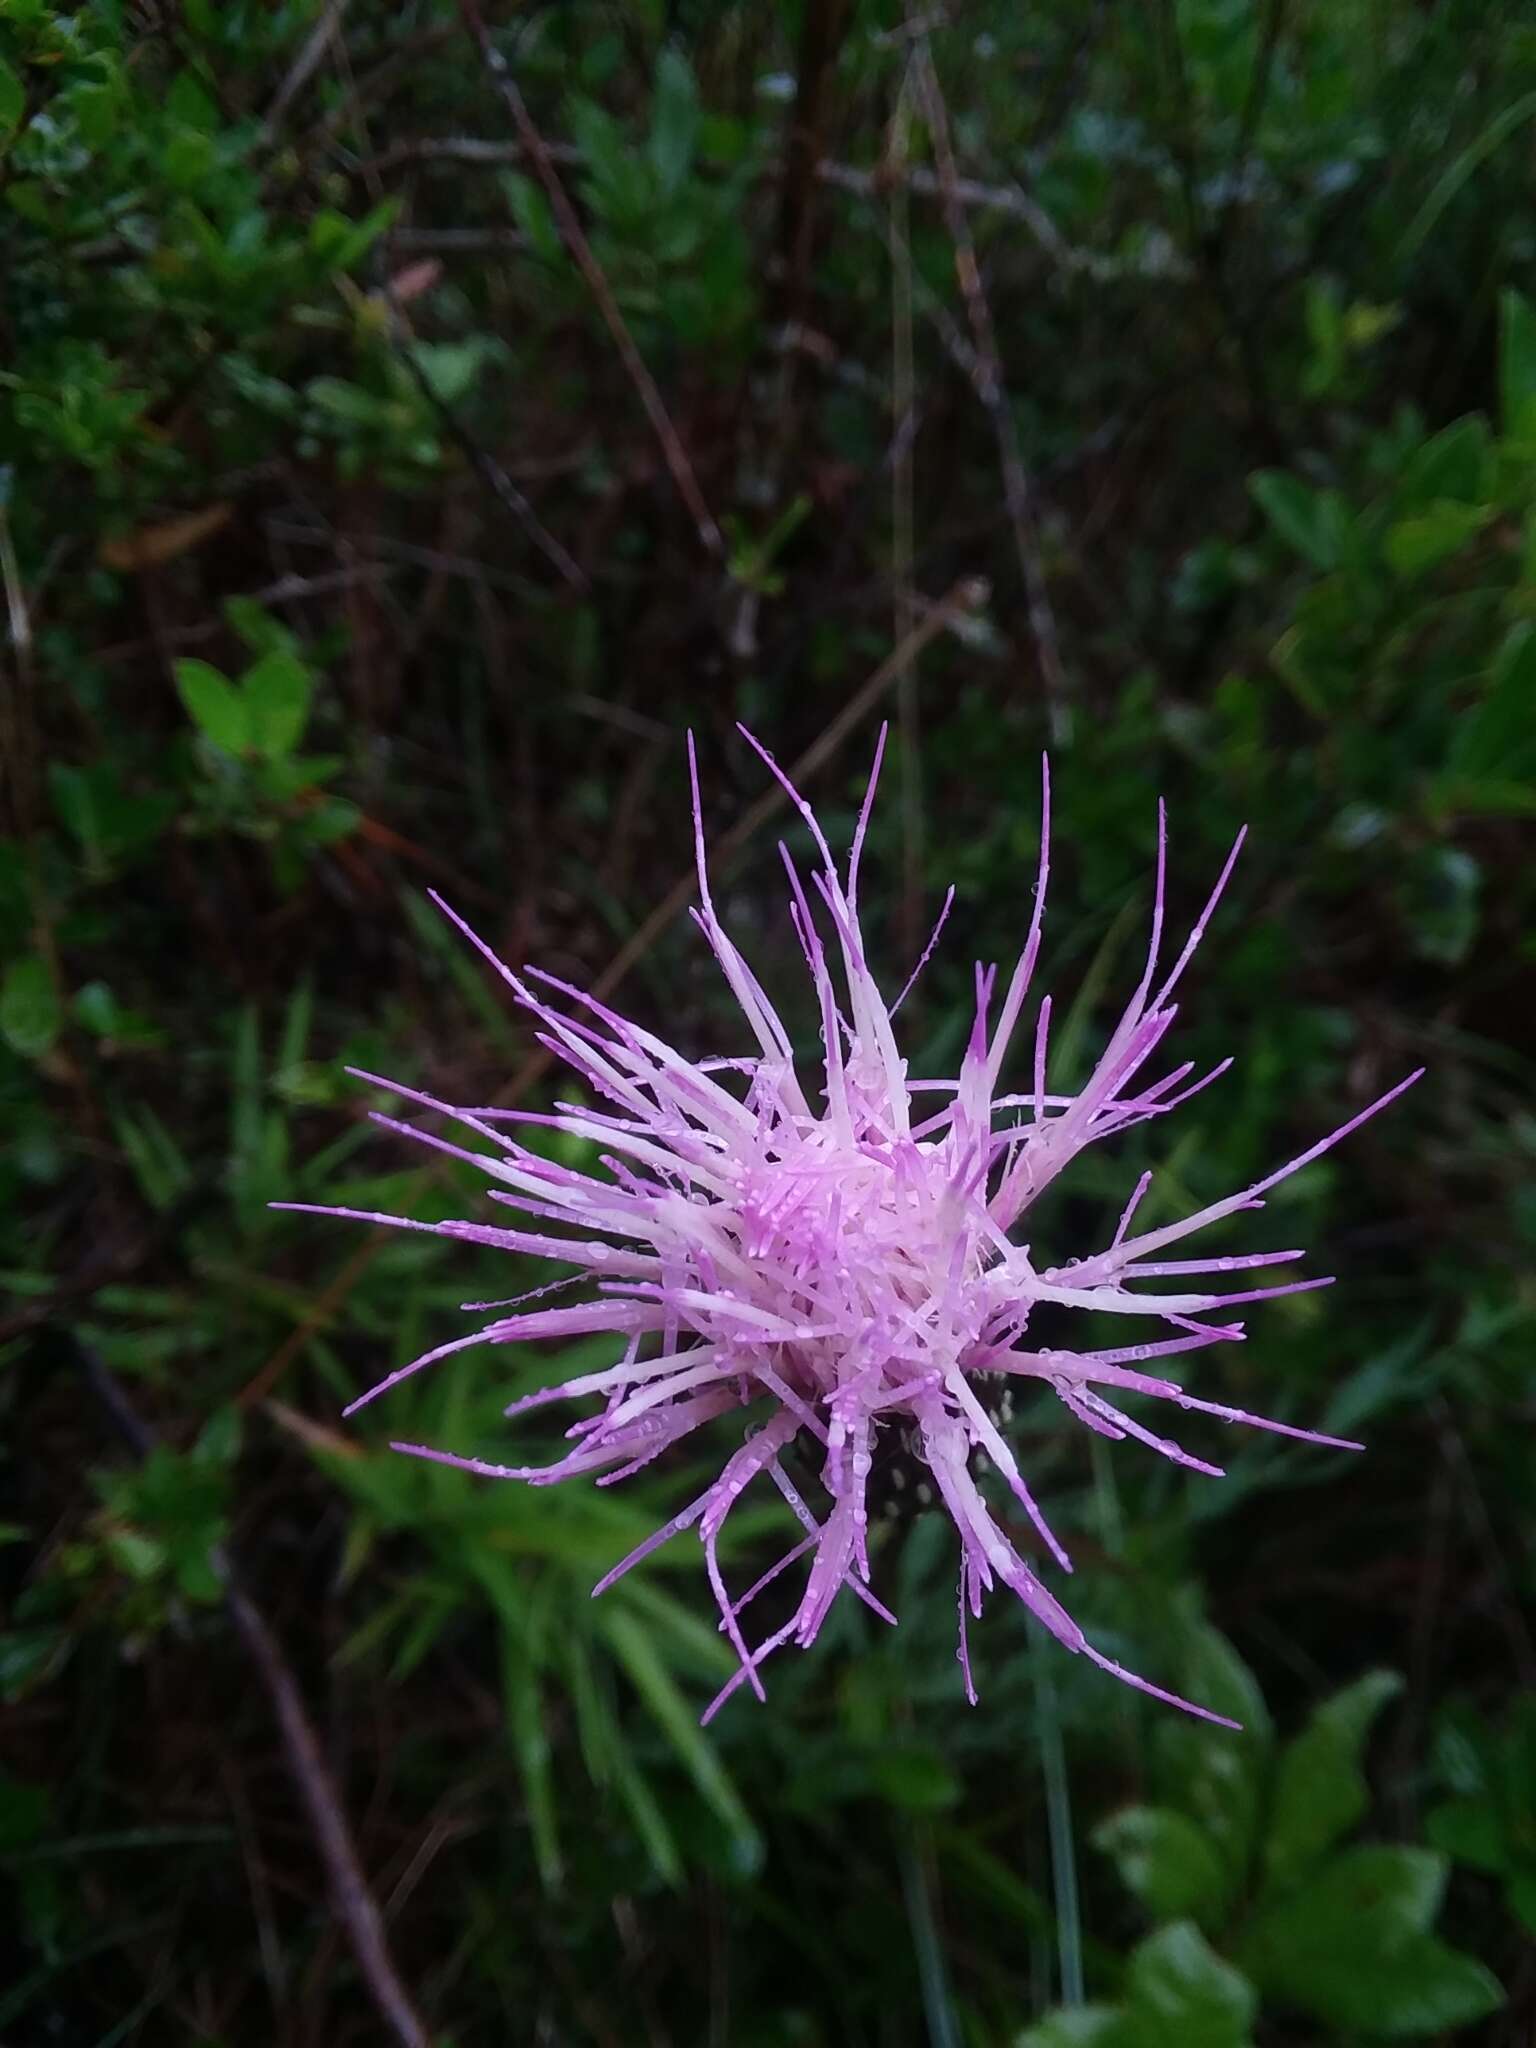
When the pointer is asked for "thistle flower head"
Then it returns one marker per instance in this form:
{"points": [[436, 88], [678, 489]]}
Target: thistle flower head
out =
{"points": [[848, 1264]]}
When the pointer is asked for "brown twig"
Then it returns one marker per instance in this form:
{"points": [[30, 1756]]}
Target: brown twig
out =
{"points": [[575, 240], [355, 1904], [1010, 200], [969, 192], [480, 460], [303, 66], [990, 389]]}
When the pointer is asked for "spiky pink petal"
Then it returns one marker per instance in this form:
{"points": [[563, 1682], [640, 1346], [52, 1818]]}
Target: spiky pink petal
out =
{"points": [[843, 1270]]}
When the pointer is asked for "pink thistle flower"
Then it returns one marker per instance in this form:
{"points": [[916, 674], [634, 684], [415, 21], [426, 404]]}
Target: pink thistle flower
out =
{"points": [[846, 1265]]}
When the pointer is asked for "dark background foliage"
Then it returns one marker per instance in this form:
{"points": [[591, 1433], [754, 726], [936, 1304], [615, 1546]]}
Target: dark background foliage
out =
{"points": [[410, 423]]}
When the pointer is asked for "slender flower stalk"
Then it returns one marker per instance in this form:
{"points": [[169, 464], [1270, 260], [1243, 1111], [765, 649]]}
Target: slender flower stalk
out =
{"points": [[843, 1268]]}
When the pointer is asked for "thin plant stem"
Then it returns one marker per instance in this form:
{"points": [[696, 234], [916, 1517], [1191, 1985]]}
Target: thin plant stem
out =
{"points": [[1058, 1821], [927, 1948]]}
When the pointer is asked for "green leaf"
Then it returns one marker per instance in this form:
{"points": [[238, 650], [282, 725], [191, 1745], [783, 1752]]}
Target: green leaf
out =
{"points": [[189, 101], [674, 119], [215, 706], [218, 1443], [30, 1016], [1078, 2026], [24, 1813], [1439, 895], [1497, 736], [1319, 1791], [1520, 1893], [611, 166], [13, 99], [1517, 363], [649, 1819], [1423, 1987], [914, 1778], [95, 1007], [530, 1742], [531, 211], [1213, 1775], [1325, 330], [1456, 463], [335, 819], [339, 242], [1183, 1995], [1469, 1830], [1213, 1674], [636, 1651], [1353, 1946], [140, 1557], [1166, 1859], [1316, 523], [347, 402], [1460, 169], [451, 367], [30, 1656], [277, 691], [1415, 545], [187, 159]]}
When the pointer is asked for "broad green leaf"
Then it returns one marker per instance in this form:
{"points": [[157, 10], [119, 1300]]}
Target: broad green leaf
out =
{"points": [[13, 99], [97, 109], [1319, 1791], [30, 1016], [1517, 363], [95, 1007], [1457, 463], [451, 367], [1415, 545], [277, 691], [1469, 1830], [187, 158], [348, 402], [1497, 736], [1165, 1858], [216, 707], [1214, 1776], [1316, 523], [1334, 1946], [1423, 1987], [1214, 1675], [188, 101], [1183, 1995]]}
